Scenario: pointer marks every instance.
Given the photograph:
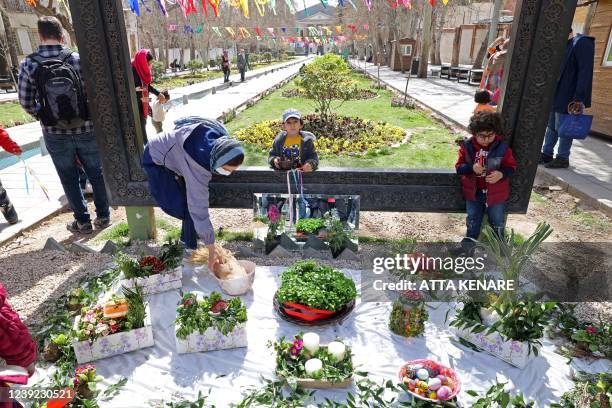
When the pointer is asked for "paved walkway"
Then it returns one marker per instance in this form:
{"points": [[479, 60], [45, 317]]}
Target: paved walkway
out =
{"points": [[32, 204], [590, 174]]}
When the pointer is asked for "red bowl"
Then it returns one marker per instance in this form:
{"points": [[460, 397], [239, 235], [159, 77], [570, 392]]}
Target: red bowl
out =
{"points": [[445, 371]]}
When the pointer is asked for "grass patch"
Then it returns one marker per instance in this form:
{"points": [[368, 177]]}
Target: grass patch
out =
{"points": [[431, 145], [591, 220], [172, 232], [12, 114], [228, 236], [118, 233], [537, 198]]}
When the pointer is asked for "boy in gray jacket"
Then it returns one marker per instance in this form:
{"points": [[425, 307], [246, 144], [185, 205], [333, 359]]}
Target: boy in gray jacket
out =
{"points": [[293, 148]]}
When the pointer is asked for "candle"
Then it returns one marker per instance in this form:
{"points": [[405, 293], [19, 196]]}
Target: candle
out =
{"points": [[313, 366], [311, 342], [336, 349]]}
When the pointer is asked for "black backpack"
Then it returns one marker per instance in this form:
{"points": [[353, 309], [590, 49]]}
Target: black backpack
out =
{"points": [[60, 92]]}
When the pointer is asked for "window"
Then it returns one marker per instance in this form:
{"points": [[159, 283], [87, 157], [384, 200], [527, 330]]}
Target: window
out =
{"points": [[406, 49], [607, 58]]}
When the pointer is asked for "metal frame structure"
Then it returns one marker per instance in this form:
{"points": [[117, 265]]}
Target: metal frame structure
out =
{"points": [[539, 35]]}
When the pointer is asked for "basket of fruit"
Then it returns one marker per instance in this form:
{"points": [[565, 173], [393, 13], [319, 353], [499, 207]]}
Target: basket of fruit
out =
{"points": [[430, 381]]}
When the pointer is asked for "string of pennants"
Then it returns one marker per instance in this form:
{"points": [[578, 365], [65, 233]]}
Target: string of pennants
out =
{"points": [[189, 6], [309, 34]]}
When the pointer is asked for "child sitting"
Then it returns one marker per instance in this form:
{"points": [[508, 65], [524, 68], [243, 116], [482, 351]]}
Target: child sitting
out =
{"points": [[485, 164], [483, 99], [159, 111], [293, 148]]}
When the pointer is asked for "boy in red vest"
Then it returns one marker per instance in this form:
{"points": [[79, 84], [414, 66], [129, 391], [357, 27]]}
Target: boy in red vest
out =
{"points": [[485, 164]]}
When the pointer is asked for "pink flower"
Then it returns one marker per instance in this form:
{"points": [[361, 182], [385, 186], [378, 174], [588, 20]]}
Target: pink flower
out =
{"points": [[297, 348], [114, 328], [187, 302], [591, 330], [273, 214]]}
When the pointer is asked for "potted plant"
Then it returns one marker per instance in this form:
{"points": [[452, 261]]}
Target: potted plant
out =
{"points": [[274, 223], [212, 323], [119, 326], [505, 326], [338, 237], [312, 292], [311, 365], [85, 380], [408, 314], [309, 226], [154, 274]]}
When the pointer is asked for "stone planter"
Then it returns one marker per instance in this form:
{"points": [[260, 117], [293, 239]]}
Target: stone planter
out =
{"points": [[157, 283], [212, 339], [114, 344]]}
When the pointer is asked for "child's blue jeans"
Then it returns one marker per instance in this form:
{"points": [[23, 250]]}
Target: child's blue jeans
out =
{"points": [[476, 210]]}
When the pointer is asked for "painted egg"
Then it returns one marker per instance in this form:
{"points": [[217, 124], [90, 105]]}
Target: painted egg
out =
{"points": [[444, 392], [422, 386], [434, 383], [412, 384], [449, 382], [422, 374], [432, 395], [442, 378]]}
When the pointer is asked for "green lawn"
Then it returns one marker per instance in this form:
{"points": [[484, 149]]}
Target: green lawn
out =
{"points": [[12, 114], [431, 145]]}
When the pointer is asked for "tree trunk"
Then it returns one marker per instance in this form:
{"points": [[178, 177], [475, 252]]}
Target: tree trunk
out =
{"points": [[456, 47], [481, 54], [438, 36], [425, 40], [10, 38]]}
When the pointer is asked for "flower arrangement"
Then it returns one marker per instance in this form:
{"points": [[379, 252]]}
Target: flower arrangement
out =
{"points": [[300, 360], [85, 380], [408, 314], [169, 258], [193, 315], [316, 286], [95, 322]]}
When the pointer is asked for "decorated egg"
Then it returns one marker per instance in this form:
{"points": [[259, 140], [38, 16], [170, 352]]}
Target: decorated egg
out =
{"points": [[422, 374], [444, 392], [449, 382], [422, 385], [434, 383], [432, 395], [442, 378], [432, 372], [412, 384]]}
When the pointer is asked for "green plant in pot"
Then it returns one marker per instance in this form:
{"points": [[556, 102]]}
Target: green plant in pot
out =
{"points": [[309, 226], [337, 236]]}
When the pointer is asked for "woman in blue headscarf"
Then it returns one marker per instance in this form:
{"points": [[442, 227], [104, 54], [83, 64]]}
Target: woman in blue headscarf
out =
{"points": [[180, 164]]}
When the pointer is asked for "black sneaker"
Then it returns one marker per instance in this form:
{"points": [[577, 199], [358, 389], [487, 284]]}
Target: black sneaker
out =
{"points": [[77, 227], [557, 163], [544, 158], [102, 222], [10, 214]]}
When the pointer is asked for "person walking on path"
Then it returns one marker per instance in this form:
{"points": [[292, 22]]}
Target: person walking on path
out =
{"points": [[7, 208], [225, 66], [141, 70], [248, 62], [241, 62], [52, 90], [180, 164], [574, 87]]}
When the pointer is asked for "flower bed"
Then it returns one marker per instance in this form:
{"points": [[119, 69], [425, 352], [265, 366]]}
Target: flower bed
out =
{"points": [[359, 94], [311, 365], [342, 135], [313, 292], [154, 274], [209, 324], [118, 327]]}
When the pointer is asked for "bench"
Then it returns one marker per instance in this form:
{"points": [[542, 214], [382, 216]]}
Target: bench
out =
{"points": [[435, 72], [453, 72], [7, 84], [475, 76], [463, 73], [445, 71]]}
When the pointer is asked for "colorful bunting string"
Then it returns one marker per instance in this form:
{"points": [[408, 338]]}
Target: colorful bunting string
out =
{"points": [[217, 31], [162, 7], [134, 7], [272, 5]]}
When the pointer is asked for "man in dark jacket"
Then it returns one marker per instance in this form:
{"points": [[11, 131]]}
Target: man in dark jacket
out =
{"points": [[242, 63], [575, 85]]}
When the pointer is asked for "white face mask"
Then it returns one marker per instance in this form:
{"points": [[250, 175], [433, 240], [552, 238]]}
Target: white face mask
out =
{"points": [[222, 171]]}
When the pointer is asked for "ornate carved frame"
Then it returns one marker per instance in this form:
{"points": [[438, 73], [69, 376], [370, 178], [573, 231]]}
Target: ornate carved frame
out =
{"points": [[539, 36]]}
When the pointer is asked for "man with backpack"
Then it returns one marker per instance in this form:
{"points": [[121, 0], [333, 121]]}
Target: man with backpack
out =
{"points": [[51, 89]]}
